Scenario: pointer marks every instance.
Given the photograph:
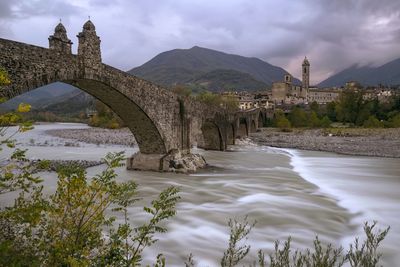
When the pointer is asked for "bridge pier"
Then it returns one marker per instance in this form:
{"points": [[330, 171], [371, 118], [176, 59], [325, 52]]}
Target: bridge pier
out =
{"points": [[174, 161]]}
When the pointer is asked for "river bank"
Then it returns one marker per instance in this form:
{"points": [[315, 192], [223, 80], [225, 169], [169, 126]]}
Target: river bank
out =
{"points": [[360, 142], [97, 136]]}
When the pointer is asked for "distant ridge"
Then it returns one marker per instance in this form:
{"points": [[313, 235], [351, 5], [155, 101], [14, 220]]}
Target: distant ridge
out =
{"points": [[59, 98], [194, 65], [387, 74]]}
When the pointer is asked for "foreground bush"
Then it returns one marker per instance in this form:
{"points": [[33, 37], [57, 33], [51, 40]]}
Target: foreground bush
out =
{"points": [[71, 227], [363, 254]]}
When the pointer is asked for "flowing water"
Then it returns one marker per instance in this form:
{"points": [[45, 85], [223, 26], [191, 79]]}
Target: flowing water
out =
{"points": [[287, 192]]}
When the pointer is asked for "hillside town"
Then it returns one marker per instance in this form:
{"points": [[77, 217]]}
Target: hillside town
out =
{"points": [[286, 93]]}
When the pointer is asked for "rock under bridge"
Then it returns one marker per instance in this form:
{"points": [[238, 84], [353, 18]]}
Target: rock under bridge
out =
{"points": [[165, 125]]}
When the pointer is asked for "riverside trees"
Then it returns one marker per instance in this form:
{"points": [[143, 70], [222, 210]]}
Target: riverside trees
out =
{"points": [[351, 108]]}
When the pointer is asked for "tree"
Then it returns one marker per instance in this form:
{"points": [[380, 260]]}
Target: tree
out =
{"points": [[325, 122], [348, 106], [298, 117], [105, 117], [365, 112], [394, 121], [209, 98], [313, 120], [229, 103], [182, 90], [281, 121], [331, 110], [372, 122], [314, 106]]}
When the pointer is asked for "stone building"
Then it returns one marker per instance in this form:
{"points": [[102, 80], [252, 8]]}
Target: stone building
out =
{"points": [[322, 96], [285, 92]]}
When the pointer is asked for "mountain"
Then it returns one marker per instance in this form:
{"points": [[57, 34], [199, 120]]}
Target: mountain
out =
{"points": [[228, 79], [187, 66], [45, 95], [387, 74], [69, 105], [58, 98]]}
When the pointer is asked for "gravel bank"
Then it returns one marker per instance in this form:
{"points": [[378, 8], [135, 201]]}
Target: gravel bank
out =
{"points": [[97, 135], [363, 142], [54, 165]]}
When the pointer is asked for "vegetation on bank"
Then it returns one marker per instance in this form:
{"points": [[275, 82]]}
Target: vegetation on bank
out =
{"points": [[351, 109], [104, 117], [226, 102], [48, 116]]}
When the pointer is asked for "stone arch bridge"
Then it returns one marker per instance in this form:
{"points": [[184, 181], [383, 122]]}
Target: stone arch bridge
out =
{"points": [[164, 124]]}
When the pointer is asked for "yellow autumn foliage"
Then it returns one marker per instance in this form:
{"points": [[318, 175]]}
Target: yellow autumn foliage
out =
{"points": [[23, 108], [4, 80]]}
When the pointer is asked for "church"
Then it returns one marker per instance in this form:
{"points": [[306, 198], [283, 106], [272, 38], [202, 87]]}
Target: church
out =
{"points": [[285, 92]]}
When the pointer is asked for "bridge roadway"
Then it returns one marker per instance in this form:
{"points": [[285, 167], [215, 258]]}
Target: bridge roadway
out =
{"points": [[165, 125]]}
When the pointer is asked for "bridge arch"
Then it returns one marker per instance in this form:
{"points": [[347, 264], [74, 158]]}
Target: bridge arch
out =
{"points": [[243, 130], [253, 127], [261, 119], [143, 128], [230, 134], [212, 137]]}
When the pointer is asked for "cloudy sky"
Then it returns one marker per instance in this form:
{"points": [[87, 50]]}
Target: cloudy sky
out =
{"points": [[333, 34]]}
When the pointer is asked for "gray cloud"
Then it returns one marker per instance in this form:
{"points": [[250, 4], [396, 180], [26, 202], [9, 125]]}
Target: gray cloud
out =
{"points": [[334, 34]]}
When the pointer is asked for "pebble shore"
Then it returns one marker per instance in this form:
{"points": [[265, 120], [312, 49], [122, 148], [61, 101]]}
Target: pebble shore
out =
{"points": [[360, 142], [97, 135]]}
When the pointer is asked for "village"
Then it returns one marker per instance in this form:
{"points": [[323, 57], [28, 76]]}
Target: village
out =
{"points": [[286, 93]]}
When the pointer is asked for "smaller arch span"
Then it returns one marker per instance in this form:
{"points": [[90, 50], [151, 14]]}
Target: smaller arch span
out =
{"points": [[243, 128], [230, 134], [261, 120], [253, 127], [212, 138]]}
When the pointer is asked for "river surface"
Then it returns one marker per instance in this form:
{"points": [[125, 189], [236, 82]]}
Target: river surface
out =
{"points": [[288, 192]]}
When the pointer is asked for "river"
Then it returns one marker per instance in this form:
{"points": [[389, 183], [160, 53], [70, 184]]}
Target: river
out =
{"points": [[288, 192]]}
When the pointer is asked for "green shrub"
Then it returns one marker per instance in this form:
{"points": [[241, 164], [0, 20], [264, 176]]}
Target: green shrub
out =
{"points": [[325, 122], [283, 123], [313, 120], [67, 228], [394, 122], [373, 122]]}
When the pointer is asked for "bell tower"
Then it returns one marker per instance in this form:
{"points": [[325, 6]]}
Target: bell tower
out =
{"points": [[306, 74], [89, 47], [59, 40]]}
